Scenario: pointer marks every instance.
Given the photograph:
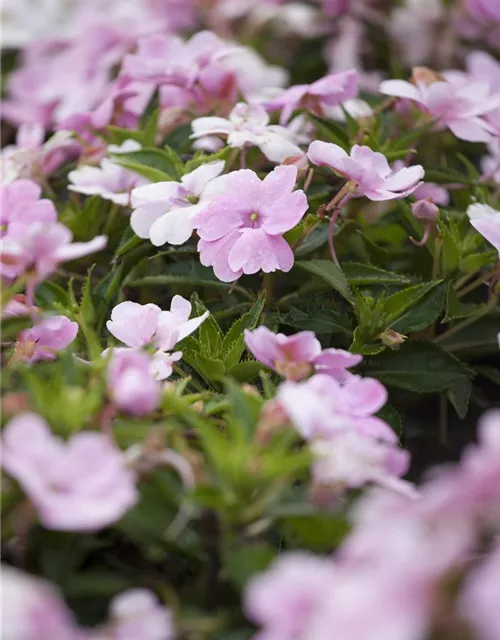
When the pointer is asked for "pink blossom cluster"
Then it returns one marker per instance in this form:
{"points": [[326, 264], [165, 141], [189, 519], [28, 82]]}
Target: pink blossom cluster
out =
{"points": [[33, 609], [391, 577]]}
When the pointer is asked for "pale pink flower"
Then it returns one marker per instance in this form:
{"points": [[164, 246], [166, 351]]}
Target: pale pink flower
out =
{"points": [[328, 91], [413, 26], [478, 602], [241, 231], [41, 247], [131, 385], [165, 211], [248, 126], [368, 169], [425, 210], [433, 192], [285, 598], [459, 107], [78, 485], [33, 610], [20, 203], [484, 10], [295, 357], [320, 407], [490, 164], [135, 614], [46, 338], [110, 181], [486, 221]]}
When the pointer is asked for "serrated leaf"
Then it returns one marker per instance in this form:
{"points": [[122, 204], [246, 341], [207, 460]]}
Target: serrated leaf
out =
{"points": [[202, 158], [244, 410], [491, 373], [475, 261], [399, 303], [49, 292], [317, 238], [127, 242], [246, 371], [359, 346], [331, 274], [459, 395], [209, 333], [86, 301], [365, 274], [233, 344], [456, 309], [318, 319], [422, 367], [426, 311], [451, 250], [332, 131]]}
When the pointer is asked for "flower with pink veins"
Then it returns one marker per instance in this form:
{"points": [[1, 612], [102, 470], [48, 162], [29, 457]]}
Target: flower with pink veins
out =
{"points": [[367, 169], [110, 181], [320, 407], [329, 91], [295, 357], [462, 107], [135, 614], [352, 459], [41, 247], [78, 485], [486, 221], [248, 126], [285, 598], [46, 338], [20, 203], [32, 609], [165, 211], [131, 384], [241, 231]]}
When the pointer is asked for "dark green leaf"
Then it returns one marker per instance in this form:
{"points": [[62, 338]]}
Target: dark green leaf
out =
{"points": [[456, 309], [241, 563], [399, 303], [332, 131], [330, 274], [365, 274], [459, 395], [426, 311]]}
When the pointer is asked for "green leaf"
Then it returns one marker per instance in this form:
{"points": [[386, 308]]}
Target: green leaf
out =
{"points": [[475, 261], [456, 309], [443, 176], [244, 410], [459, 395], [233, 344], [86, 302], [241, 563], [317, 318], [397, 304], [202, 158], [426, 311], [359, 345], [332, 131], [365, 274], [451, 250], [209, 333], [331, 274], [419, 366], [157, 165], [491, 373], [314, 240], [246, 371], [47, 293]]}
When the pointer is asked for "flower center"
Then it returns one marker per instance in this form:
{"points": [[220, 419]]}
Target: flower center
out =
{"points": [[254, 216], [192, 199]]}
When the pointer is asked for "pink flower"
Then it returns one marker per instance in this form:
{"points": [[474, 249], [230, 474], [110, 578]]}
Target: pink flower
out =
{"points": [[285, 598], [78, 485], [352, 459], [164, 211], [490, 164], [484, 10], [241, 230], [21, 204], [461, 108], [320, 407], [42, 247], [131, 385], [32, 609], [368, 169], [135, 614], [247, 126], [425, 210], [110, 181], [433, 192], [48, 336], [295, 357], [486, 221], [329, 91]]}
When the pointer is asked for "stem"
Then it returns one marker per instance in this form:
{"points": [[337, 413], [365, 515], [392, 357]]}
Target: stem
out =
{"points": [[308, 179], [268, 287], [180, 372], [331, 230], [476, 283], [437, 255], [468, 321], [424, 238]]}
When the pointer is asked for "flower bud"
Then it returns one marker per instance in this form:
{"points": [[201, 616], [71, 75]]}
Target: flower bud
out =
{"points": [[425, 210], [392, 339]]}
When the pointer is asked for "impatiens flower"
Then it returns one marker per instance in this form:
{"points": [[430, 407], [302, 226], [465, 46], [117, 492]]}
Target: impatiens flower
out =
{"points": [[351, 459], [21, 203], [425, 210], [460, 108], [241, 231], [329, 91], [41, 247], [490, 164], [321, 407], [285, 598], [32, 609], [131, 385], [486, 221], [46, 338], [367, 169], [164, 211], [295, 357], [248, 126], [135, 614], [78, 485], [110, 181]]}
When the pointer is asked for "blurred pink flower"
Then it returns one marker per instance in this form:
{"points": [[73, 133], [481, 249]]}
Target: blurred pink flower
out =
{"points": [[78, 485], [295, 357], [328, 91], [320, 407], [248, 126], [425, 210], [241, 230], [368, 169], [486, 221], [165, 211], [131, 385], [33, 610], [20, 203], [110, 181], [48, 336]]}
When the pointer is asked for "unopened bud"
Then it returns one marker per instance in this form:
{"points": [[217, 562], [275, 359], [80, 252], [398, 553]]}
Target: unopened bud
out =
{"points": [[425, 210], [392, 339], [272, 419]]}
